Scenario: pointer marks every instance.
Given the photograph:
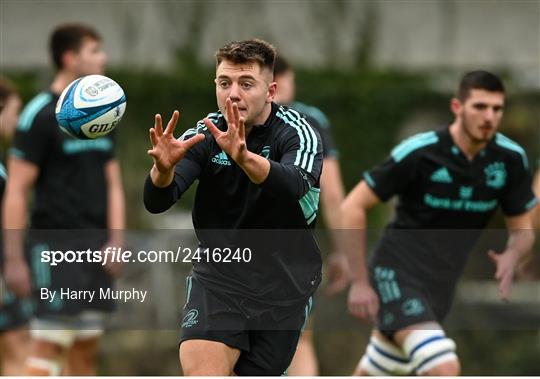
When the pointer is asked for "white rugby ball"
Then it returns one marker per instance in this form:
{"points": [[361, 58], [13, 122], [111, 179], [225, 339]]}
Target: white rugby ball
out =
{"points": [[91, 107]]}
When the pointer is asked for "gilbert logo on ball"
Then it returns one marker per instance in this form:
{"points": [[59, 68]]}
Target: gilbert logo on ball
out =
{"points": [[91, 107]]}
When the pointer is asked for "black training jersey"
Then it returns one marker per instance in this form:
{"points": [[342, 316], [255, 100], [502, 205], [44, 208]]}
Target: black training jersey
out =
{"points": [[70, 191], [440, 192], [275, 218], [319, 121]]}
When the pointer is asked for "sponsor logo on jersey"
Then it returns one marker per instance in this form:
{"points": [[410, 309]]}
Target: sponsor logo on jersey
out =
{"points": [[465, 192], [412, 307], [441, 176], [221, 159], [495, 175], [459, 204], [265, 152], [76, 146], [387, 284], [190, 318], [388, 318]]}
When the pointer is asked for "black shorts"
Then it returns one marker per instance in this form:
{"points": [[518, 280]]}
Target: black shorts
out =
{"points": [[75, 276], [267, 344], [406, 300], [14, 312]]}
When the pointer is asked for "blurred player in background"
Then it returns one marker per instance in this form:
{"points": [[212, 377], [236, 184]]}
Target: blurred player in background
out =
{"points": [[77, 186], [258, 165], [14, 312], [536, 186], [449, 183], [332, 195]]}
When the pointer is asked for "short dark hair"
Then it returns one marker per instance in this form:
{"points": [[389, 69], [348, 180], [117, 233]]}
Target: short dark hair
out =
{"points": [[479, 79], [69, 37], [6, 90], [281, 65], [248, 51]]}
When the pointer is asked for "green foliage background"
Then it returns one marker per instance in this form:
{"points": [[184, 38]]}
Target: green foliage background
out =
{"points": [[367, 109]]}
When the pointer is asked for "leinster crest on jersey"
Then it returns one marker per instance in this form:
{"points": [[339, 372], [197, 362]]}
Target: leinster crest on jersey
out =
{"points": [[495, 175]]}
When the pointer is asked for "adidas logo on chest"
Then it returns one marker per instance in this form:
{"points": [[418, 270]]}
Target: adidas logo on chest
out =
{"points": [[221, 159], [442, 176]]}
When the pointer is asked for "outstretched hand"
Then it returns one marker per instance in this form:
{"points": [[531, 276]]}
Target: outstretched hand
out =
{"points": [[363, 302], [166, 150], [505, 265], [232, 141]]}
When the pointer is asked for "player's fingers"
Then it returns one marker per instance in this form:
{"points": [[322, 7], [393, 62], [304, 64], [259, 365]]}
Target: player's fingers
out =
{"points": [[22, 288], [505, 285], [241, 127], [212, 128], [493, 255], [236, 112], [373, 310], [231, 121], [189, 143], [171, 125], [153, 137], [158, 125], [356, 311]]}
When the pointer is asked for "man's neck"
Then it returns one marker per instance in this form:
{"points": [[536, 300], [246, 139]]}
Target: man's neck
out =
{"points": [[466, 144], [261, 119], [61, 81]]}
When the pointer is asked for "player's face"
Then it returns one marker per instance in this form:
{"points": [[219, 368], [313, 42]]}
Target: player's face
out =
{"points": [[10, 116], [480, 114], [90, 59], [249, 86], [285, 87]]}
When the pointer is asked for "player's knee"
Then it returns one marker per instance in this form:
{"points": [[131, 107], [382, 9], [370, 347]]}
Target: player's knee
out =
{"points": [[82, 357], [431, 350], [383, 358], [196, 363], [449, 368], [42, 367]]}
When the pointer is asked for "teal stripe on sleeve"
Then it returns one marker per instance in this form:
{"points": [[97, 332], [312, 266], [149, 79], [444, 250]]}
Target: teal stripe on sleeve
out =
{"points": [[507, 143], [369, 179], [3, 172], [14, 152], [310, 204], [531, 203], [308, 141], [32, 109], [413, 143]]}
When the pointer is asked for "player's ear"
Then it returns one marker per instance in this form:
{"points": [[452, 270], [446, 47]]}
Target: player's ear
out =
{"points": [[272, 87], [455, 106], [68, 59]]}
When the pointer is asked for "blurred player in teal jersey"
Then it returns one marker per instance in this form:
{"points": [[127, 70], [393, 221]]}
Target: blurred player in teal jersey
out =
{"points": [[14, 313], [332, 194]]}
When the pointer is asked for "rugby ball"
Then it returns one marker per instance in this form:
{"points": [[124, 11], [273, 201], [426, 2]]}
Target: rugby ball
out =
{"points": [[91, 107]]}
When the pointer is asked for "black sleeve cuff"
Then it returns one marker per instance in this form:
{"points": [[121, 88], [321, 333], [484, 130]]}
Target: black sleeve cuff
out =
{"points": [[284, 181], [156, 199]]}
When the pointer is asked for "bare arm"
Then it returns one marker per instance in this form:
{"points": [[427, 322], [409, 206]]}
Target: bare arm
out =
{"points": [[116, 216], [332, 195], [22, 176], [363, 301], [520, 242], [536, 189]]}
